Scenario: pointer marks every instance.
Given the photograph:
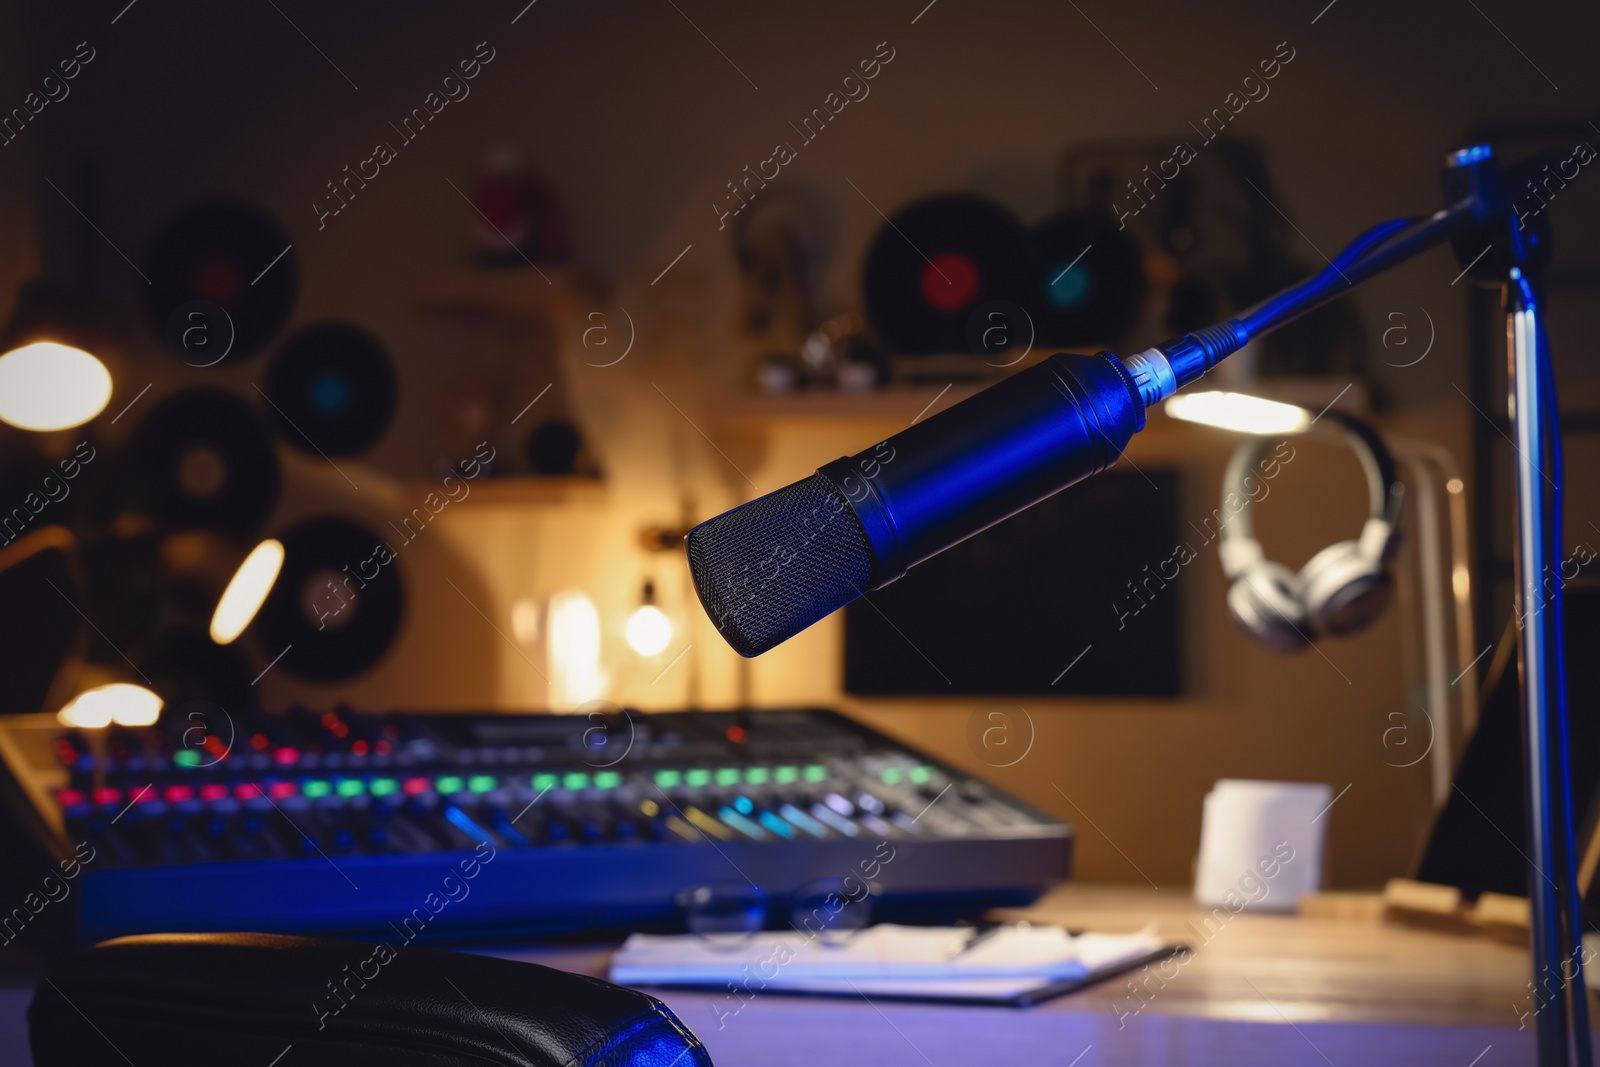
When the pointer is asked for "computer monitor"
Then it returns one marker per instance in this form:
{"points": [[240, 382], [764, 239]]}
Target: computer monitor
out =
{"points": [[1077, 596]]}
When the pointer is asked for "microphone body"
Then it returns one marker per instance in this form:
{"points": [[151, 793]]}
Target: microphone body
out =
{"points": [[770, 568]]}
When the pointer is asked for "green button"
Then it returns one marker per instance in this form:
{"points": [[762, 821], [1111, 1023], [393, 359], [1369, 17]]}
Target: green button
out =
{"points": [[541, 782], [785, 775], [450, 783], [352, 787], [756, 776], [576, 780], [920, 774], [608, 779], [482, 783], [382, 787], [187, 758], [315, 788], [891, 775], [816, 772], [699, 778], [728, 776], [669, 779]]}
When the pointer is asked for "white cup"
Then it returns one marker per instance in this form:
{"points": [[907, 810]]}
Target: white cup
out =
{"points": [[1261, 844]]}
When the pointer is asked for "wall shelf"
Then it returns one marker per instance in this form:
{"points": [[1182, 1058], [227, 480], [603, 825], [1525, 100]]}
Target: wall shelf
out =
{"points": [[892, 403], [911, 401], [518, 490], [513, 292]]}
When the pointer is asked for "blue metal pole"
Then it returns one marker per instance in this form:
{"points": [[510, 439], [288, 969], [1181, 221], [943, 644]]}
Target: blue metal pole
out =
{"points": [[1562, 1024]]}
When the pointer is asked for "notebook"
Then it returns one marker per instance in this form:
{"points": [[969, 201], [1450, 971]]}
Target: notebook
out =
{"points": [[1011, 964]]}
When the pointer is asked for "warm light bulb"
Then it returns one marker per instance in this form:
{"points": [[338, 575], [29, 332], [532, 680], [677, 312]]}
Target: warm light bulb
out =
{"points": [[1239, 412], [649, 630], [247, 590], [49, 386], [120, 702]]}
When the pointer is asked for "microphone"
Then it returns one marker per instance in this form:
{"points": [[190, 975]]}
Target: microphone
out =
{"points": [[770, 568]]}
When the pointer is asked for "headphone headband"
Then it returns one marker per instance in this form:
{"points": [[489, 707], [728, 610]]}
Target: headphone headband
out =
{"points": [[1240, 550]]}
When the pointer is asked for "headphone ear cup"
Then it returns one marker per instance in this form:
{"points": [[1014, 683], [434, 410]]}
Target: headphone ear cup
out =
{"points": [[1343, 590], [1265, 601]]}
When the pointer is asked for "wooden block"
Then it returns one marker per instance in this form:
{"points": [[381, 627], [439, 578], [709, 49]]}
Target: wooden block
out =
{"points": [[1500, 908], [1342, 907], [1503, 917], [1437, 907], [1422, 896]]}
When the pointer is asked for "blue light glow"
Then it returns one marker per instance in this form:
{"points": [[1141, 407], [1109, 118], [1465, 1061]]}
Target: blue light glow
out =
{"points": [[656, 1040], [775, 824], [465, 824]]}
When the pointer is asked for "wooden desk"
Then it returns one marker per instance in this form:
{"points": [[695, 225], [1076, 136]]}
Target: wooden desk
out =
{"points": [[1261, 990]]}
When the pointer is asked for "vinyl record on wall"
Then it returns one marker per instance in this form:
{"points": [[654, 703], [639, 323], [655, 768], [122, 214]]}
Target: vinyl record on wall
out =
{"points": [[124, 593], [1088, 279], [332, 388], [203, 458], [934, 264], [337, 603], [228, 255]]}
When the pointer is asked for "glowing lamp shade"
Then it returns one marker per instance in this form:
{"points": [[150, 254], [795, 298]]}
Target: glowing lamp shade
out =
{"points": [[1239, 412], [120, 702], [247, 590], [649, 631], [49, 386], [573, 637]]}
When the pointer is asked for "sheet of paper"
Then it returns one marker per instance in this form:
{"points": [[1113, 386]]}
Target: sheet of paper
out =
{"points": [[999, 990], [885, 953]]}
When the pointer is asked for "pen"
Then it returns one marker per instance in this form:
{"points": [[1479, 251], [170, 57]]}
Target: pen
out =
{"points": [[979, 935]]}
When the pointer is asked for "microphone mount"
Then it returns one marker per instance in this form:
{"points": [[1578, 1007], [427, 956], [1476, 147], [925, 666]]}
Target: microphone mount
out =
{"points": [[1480, 207], [1495, 244]]}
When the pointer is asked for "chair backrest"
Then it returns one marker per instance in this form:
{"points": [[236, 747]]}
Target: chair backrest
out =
{"points": [[193, 999]]}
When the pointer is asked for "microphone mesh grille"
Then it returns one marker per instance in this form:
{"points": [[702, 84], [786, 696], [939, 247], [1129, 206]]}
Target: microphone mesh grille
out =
{"points": [[770, 568]]}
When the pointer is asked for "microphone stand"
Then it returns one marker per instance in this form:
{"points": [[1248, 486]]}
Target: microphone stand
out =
{"points": [[1024, 438], [1495, 244]]}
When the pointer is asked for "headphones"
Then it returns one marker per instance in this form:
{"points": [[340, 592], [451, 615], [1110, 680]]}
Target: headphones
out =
{"points": [[1343, 588]]}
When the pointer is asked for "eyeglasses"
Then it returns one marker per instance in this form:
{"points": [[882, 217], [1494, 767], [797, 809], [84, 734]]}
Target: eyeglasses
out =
{"points": [[729, 914]]}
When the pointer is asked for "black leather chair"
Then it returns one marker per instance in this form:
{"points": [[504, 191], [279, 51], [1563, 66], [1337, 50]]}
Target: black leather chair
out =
{"points": [[263, 1000]]}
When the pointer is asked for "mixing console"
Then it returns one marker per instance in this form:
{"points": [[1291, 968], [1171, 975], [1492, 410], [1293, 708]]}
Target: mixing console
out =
{"points": [[349, 822]]}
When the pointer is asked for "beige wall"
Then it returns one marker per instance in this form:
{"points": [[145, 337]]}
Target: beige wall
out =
{"points": [[640, 137], [638, 122]]}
